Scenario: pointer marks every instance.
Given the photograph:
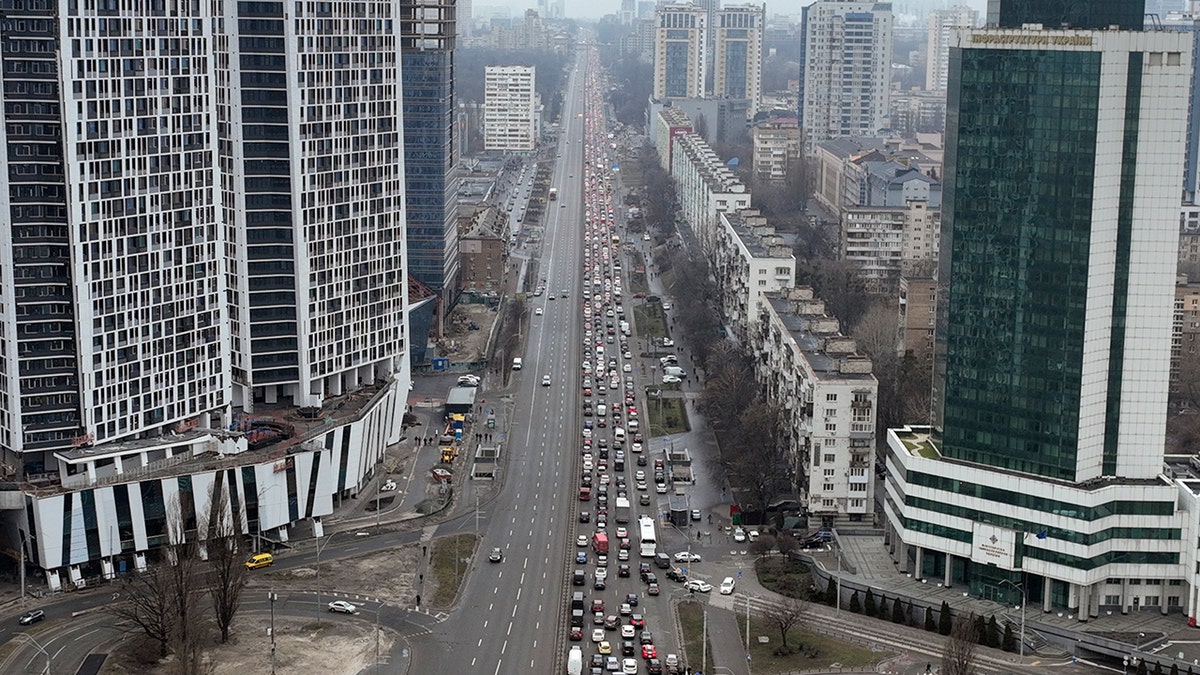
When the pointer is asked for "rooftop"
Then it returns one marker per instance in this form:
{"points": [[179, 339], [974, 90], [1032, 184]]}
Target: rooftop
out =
{"points": [[757, 236], [827, 351]]}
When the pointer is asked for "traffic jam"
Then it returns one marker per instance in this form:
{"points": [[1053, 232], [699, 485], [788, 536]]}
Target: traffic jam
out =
{"points": [[604, 611]]}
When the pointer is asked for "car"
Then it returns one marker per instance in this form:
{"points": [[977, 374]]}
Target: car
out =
{"points": [[343, 607], [611, 664], [727, 585], [612, 622], [644, 499], [599, 584], [629, 667], [654, 666], [623, 555], [632, 599], [648, 651], [695, 514], [752, 535], [698, 586], [581, 558], [637, 621], [597, 663], [739, 535], [496, 555], [626, 609], [578, 578], [576, 634], [628, 648], [661, 488], [538, 311], [598, 635], [677, 574], [604, 647], [584, 516], [667, 379], [627, 367], [545, 380], [468, 381], [687, 557], [628, 632], [652, 589]]}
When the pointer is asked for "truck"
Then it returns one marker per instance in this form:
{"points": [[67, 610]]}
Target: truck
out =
{"points": [[553, 194], [622, 510], [575, 661], [600, 543]]}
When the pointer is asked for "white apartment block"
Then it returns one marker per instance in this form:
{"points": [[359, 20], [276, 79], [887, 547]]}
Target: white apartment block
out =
{"points": [[776, 148], [738, 53], [884, 241], [509, 109], [942, 24], [829, 393], [672, 122], [847, 69], [705, 188], [680, 51], [749, 260]]}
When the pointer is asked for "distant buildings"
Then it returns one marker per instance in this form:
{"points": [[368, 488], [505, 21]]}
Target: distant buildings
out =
{"points": [[942, 25], [510, 117], [680, 51], [738, 53], [1042, 477], [846, 71], [776, 148]]}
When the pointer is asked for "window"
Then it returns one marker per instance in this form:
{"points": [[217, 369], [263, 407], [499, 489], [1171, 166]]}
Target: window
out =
{"points": [[831, 427], [829, 473], [830, 397], [828, 457]]}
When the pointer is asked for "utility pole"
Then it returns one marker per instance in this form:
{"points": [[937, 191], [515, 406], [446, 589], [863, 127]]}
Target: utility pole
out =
{"points": [[272, 597], [747, 631], [704, 641]]}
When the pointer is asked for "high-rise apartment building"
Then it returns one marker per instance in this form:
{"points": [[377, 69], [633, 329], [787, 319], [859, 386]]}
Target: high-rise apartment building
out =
{"points": [[738, 53], [509, 109], [680, 51], [113, 315], [427, 43], [315, 196], [203, 247], [942, 25], [1042, 472], [846, 76]]}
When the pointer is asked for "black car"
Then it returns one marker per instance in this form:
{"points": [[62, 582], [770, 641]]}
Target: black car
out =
{"points": [[654, 667], [649, 578], [646, 638], [627, 648], [677, 575], [579, 578], [599, 584], [631, 599], [32, 616], [623, 570], [584, 516]]}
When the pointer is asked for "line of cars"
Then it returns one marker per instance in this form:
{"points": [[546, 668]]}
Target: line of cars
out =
{"points": [[611, 440]]}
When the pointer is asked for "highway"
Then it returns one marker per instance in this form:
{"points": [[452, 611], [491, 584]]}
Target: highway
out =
{"points": [[507, 621]]}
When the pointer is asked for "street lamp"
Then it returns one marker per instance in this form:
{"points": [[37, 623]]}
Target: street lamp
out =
{"points": [[41, 649], [1020, 587], [272, 597], [321, 547]]}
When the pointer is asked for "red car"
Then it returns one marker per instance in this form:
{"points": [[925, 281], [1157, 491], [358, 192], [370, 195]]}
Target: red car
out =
{"points": [[649, 652], [597, 605], [576, 633]]}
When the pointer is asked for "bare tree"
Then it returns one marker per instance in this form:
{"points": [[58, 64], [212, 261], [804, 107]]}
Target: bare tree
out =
{"points": [[227, 574], [762, 546], [146, 604], [786, 614], [727, 392], [958, 655], [876, 331], [186, 588], [757, 462]]}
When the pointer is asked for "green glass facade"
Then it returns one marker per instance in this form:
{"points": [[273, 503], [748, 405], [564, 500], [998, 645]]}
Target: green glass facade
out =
{"points": [[1095, 14], [1020, 151]]}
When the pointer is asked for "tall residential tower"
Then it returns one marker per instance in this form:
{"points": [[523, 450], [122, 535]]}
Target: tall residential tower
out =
{"points": [[680, 51], [847, 69], [942, 26], [738, 53]]}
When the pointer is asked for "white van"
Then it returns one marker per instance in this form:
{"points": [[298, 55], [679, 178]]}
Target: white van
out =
{"points": [[619, 434], [673, 370], [517, 363], [575, 661]]}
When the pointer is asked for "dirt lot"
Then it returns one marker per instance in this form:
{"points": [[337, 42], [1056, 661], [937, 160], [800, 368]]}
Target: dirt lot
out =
{"points": [[340, 645], [462, 344], [390, 575]]}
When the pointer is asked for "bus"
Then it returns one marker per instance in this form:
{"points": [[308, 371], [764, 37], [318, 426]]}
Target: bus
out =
{"points": [[647, 546]]}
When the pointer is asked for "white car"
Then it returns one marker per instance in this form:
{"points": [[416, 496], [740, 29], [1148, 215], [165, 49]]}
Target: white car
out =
{"points": [[598, 635], [739, 535], [343, 607], [628, 632], [581, 541], [661, 488], [628, 367], [538, 311], [698, 586], [601, 573], [667, 379], [687, 557], [629, 667], [727, 586], [546, 380]]}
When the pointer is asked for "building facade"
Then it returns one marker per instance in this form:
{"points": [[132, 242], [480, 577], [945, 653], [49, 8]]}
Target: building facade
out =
{"points": [[705, 188], [846, 71], [829, 395], [776, 148], [942, 25], [749, 261], [672, 122], [428, 36], [1043, 469], [882, 242], [509, 109], [738, 53], [680, 51]]}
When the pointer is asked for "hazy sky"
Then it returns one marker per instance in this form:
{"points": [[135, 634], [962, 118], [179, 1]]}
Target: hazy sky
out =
{"points": [[594, 9]]}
